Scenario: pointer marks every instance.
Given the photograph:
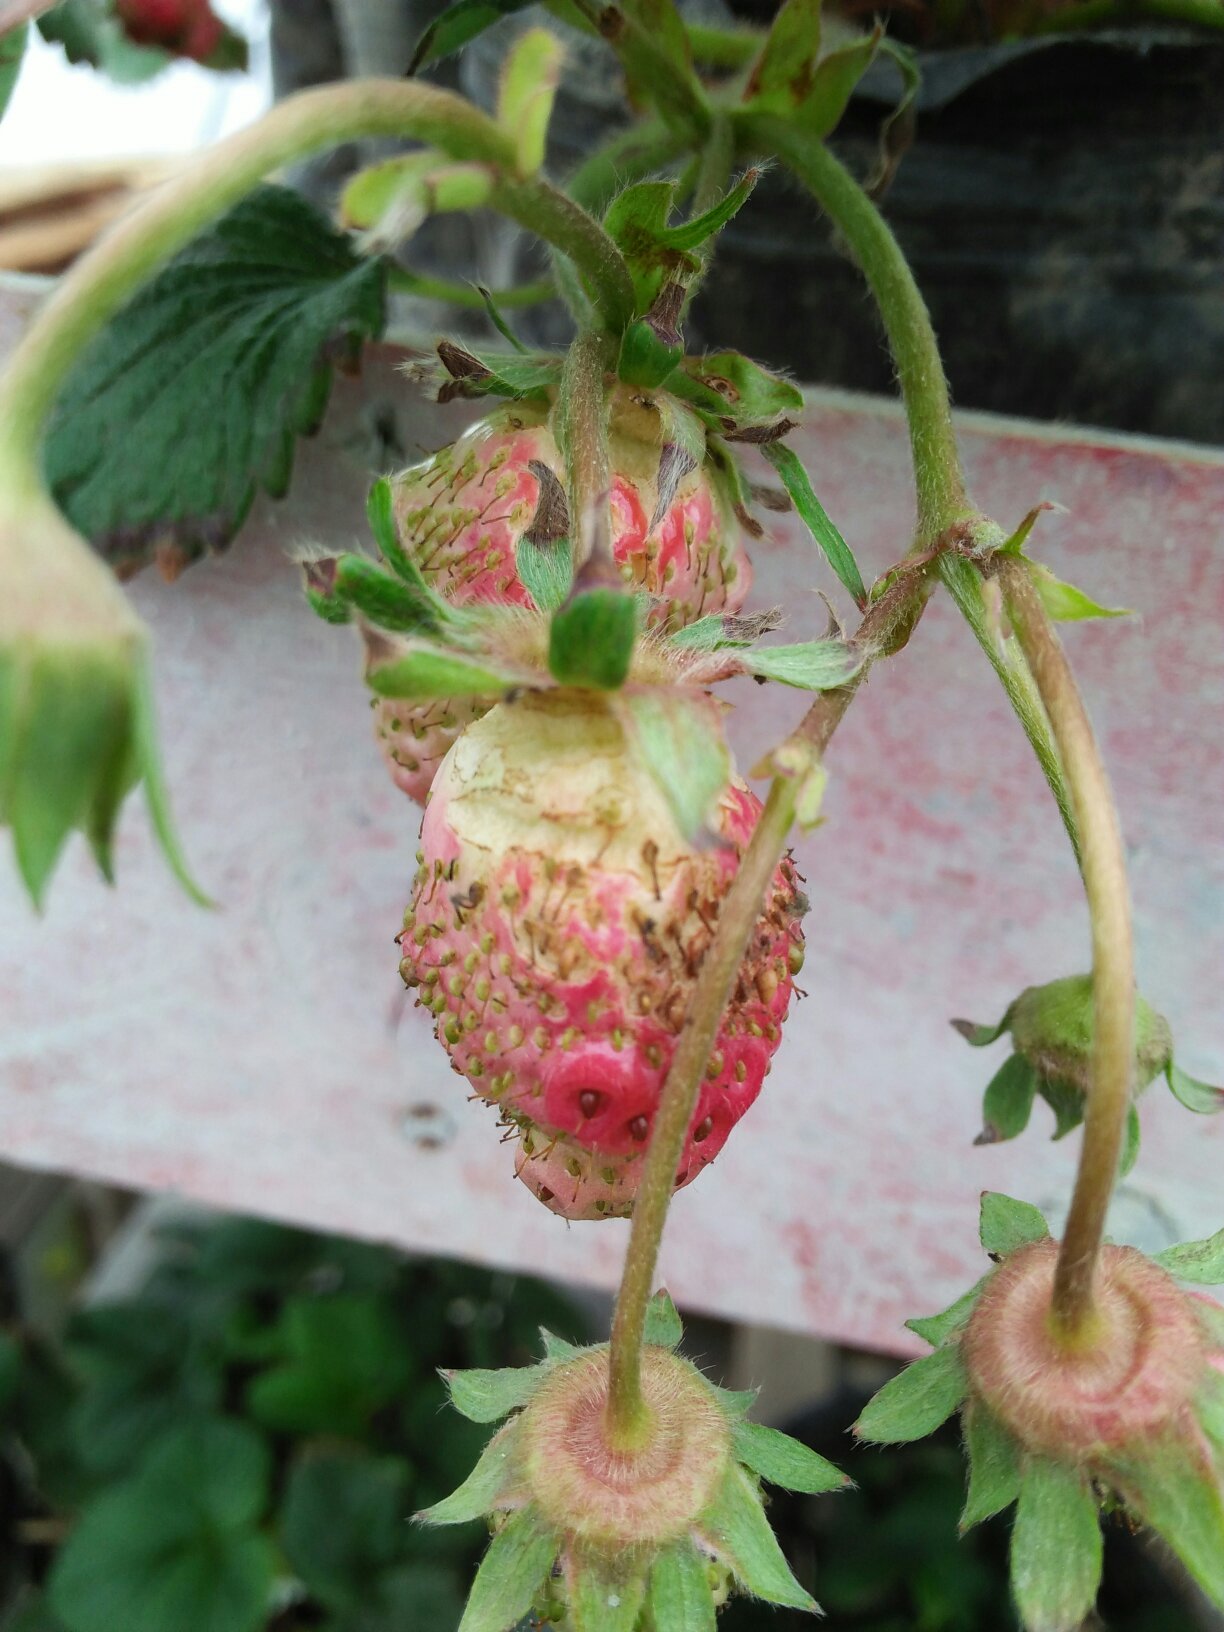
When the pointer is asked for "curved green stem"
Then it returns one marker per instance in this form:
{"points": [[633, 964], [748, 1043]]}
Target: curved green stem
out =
{"points": [[103, 279], [627, 1421], [630, 155], [883, 631], [407, 282], [1113, 970], [924, 388], [1102, 13]]}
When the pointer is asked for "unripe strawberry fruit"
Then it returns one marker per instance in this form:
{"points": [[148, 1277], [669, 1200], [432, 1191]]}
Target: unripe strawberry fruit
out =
{"points": [[556, 931], [461, 516]]}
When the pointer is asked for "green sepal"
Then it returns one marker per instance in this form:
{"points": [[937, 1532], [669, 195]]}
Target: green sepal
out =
{"points": [[526, 94], [692, 234], [480, 373], [380, 513], [833, 84], [605, 1595], [679, 739], [1196, 1096], [916, 1401], [546, 570], [737, 1530], [417, 671], [456, 27], [782, 75], [1066, 604], [816, 519], [1066, 1100], [736, 1402], [1007, 1103], [811, 665], [327, 607], [646, 359], [1199, 1261], [1211, 1319], [1209, 1406], [494, 314], [484, 1489], [557, 1348], [1056, 1548], [732, 393], [980, 1036], [591, 639], [994, 1466], [387, 602], [1184, 1503], [783, 1461], [680, 1598], [1006, 1224], [487, 1396], [663, 1327], [937, 1329], [635, 221], [519, 1560]]}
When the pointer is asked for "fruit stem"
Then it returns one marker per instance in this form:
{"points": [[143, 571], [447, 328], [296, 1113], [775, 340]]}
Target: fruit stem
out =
{"points": [[406, 282], [1113, 974], [582, 412], [627, 1419], [882, 630], [924, 388], [103, 279]]}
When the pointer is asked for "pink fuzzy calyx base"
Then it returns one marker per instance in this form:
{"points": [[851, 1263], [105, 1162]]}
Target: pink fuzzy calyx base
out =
{"points": [[556, 932], [610, 1498], [1133, 1384]]}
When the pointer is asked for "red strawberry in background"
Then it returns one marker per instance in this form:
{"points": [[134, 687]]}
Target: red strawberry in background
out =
{"points": [[185, 28]]}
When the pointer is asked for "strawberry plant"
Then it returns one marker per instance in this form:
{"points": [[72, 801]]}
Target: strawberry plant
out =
{"points": [[605, 922]]}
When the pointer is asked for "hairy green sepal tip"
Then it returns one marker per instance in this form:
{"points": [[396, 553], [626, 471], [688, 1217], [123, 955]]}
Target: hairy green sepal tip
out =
{"points": [[76, 711]]}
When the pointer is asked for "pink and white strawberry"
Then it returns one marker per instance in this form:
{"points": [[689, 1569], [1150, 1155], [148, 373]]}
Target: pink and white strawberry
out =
{"points": [[556, 930], [462, 515]]}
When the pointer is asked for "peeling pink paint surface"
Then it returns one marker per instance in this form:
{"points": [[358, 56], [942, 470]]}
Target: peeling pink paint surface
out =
{"points": [[264, 1056]]}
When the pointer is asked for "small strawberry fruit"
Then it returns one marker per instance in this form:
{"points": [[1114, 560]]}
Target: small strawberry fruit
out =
{"points": [[612, 1538], [556, 931], [1128, 1415], [477, 518]]}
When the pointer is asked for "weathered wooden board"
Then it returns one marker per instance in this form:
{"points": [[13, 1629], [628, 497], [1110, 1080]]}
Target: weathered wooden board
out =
{"points": [[264, 1057]]}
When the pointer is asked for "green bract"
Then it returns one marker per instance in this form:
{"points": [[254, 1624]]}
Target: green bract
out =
{"points": [[658, 1537]]}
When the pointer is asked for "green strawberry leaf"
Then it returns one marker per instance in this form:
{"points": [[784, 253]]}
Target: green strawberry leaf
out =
{"points": [[1055, 1548], [812, 665], [1007, 1103], [212, 370], [175, 1545], [488, 1396], [1198, 1261], [457, 26], [829, 541], [342, 1521], [344, 1359], [994, 1466], [664, 1328], [410, 1596], [783, 1461], [1193, 1094], [936, 1329], [680, 1597], [518, 1561], [679, 740], [981, 1036], [917, 1401], [1067, 604], [591, 639], [1006, 1224], [737, 1530], [479, 1493]]}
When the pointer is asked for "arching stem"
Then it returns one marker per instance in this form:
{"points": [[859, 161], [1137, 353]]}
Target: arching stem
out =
{"points": [[1113, 972], [104, 278]]}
